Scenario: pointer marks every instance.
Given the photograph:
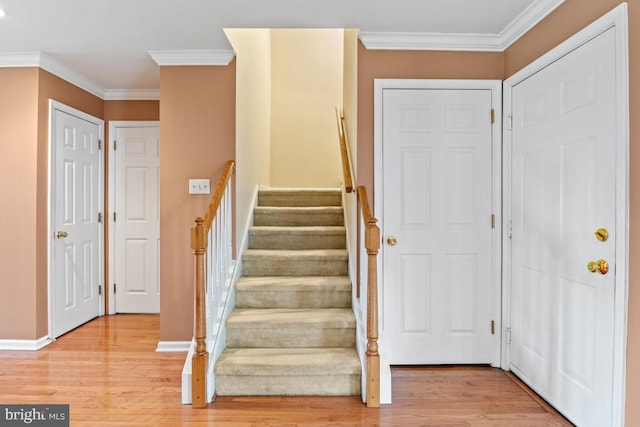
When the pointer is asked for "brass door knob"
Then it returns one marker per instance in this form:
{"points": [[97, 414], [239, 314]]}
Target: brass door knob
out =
{"points": [[391, 241], [601, 266], [601, 234], [61, 234]]}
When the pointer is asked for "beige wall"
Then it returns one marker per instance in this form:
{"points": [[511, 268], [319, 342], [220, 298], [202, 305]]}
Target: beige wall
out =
{"points": [[565, 21], [131, 110], [18, 164], [197, 137], [253, 116], [306, 82]]}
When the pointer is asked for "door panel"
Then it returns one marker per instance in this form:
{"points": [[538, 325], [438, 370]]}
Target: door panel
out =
{"points": [[437, 178], [76, 230], [563, 174], [137, 226]]}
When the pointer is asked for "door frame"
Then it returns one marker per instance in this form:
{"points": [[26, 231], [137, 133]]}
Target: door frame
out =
{"points": [[616, 18], [55, 106], [495, 86], [111, 176]]}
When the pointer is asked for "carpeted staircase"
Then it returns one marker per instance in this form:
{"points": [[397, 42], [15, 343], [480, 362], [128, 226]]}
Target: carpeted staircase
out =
{"points": [[293, 331]]}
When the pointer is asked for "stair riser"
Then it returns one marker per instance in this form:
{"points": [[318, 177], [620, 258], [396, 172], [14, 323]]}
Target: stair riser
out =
{"points": [[269, 218], [297, 241], [310, 385], [302, 267], [296, 336], [293, 198], [293, 299]]}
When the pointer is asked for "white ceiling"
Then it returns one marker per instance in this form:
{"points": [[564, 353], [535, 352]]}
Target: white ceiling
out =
{"points": [[106, 42]]}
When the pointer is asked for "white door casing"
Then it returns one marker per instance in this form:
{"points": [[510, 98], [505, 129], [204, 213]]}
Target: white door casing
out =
{"points": [[76, 262], [135, 221], [565, 177], [438, 156]]}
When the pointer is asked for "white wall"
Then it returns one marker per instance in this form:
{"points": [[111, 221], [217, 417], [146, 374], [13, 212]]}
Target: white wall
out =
{"points": [[253, 116], [307, 74]]}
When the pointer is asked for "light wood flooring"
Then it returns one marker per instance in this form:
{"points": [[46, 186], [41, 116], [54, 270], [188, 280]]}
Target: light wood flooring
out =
{"points": [[109, 373]]}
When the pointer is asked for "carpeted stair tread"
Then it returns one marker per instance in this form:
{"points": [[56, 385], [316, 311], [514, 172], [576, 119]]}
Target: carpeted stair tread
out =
{"points": [[299, 197], [288, 362], [283, 317], [298, 216], [317, 262], [308, 254], [302, 283], [293, 292], [280, 328], [300, 237]]}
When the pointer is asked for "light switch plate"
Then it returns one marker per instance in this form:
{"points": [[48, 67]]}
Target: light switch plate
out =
{"points": [[199, 186]]}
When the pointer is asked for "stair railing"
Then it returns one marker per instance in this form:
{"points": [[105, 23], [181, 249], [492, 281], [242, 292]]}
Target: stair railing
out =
{"points": [[347, 171], [368, 270], [211, 242]]}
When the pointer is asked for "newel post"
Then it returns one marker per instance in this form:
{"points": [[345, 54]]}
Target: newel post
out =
{"points": [[200, 359], [372, 244]]}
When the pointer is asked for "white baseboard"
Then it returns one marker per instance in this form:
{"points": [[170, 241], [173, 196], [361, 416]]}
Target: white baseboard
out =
{"points": [[25, 345], [173, 346]]}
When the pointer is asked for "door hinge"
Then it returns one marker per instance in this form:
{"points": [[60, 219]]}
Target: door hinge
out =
{"points": [[114, 217], [99, 216], [114, 145], [114, 288], [510, 122], [493, 221], [493, 327], [508, 335], [509, 229], [100, 290], [493, 115], [99, 144]]}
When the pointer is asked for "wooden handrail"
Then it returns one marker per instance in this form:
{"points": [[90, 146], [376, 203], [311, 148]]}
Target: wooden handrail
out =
{"points": [[214, 204], [199, 231], [372, 244], [344, 153]]}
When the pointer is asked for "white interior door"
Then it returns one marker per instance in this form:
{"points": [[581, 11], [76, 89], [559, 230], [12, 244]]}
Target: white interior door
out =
{"points": [[438, 285], [76, 202], [137, 220], [563, 191]]}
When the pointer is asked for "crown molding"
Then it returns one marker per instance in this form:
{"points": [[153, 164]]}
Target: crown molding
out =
{"points": [[429, 41], [192, 57], [19, 59], [535, 13], [48, 63], [132, 95]]}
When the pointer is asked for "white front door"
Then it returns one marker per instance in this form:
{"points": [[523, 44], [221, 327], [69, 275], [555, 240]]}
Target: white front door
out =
{"points": [[439, 288], [563, 191], [137, 219], [75, 231]]}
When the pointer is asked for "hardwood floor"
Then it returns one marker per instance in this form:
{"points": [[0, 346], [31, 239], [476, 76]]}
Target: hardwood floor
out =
{"points": [[109, 373]]}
